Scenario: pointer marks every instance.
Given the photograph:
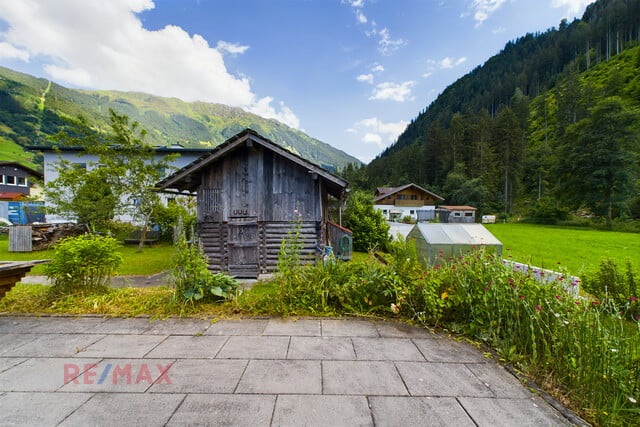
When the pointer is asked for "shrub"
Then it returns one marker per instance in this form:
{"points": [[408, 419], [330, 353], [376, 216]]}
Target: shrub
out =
{"points": [[192, 279], [83, 264], [370, 230], [609, 283]]}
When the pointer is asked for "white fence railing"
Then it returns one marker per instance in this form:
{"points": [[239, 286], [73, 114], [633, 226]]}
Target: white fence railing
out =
{"points": [[570, 283]]}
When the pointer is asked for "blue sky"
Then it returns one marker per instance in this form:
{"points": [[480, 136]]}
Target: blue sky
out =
{"points": [[351, 73]]}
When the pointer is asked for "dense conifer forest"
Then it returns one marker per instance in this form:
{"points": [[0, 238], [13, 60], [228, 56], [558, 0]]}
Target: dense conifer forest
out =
{"points": [[549, 125]]}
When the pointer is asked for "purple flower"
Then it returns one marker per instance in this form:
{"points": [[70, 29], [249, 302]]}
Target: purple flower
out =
{"points": [[538, 308], [633, 299]]}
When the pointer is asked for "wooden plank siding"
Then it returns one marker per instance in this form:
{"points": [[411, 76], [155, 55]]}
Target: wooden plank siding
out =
{"points": [[251, 194], [247, 204]]}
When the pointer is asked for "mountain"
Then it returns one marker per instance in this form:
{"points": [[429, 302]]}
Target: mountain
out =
{"points": [[31, 109], [499, 137]]}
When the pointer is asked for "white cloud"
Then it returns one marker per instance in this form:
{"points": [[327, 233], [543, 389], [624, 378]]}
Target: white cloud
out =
{"points": [[386, 45], [484, 8], [451, 62], [377, 69], [232, 48], [372, 138], [378, 132], [360, 16], [366, 78], [103, 45], [393, 91], [9, 51], [573, 6]]}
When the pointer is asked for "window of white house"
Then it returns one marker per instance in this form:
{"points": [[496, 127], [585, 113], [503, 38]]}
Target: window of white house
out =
{"points": [[1, 179], [10, 180], [457, 214], [22, 181], [412, 212], [468, 214], [384, 211]]}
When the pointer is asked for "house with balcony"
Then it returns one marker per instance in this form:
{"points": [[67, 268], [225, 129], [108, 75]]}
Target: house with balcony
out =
{"points": [[409, 200]]}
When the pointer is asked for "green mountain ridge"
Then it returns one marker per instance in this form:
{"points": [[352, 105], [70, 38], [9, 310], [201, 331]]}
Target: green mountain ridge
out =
{"points": [[32, 109], [508, 136]]}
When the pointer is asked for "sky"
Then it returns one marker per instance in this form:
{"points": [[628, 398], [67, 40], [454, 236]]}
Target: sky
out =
{"points": [[351, 73]]}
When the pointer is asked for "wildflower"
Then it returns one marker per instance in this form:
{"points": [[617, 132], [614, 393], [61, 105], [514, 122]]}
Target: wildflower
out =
{"points": [[395, 308], [486, 288], [521, 297], [510, 280], [614, 350], [637, 317], [632, 400], [419, 288], [437, 266], [538, 308], [633, 299], [577, 302], [595, 302], [444, 296], [558, 297]]}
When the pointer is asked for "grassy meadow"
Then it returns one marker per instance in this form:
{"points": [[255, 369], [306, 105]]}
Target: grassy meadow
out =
{"points": [[576, 249]]}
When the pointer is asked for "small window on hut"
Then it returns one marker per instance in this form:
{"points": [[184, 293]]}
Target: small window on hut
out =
{"points": [[468, 214]]}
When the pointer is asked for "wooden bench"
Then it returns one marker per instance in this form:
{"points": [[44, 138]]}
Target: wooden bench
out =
{"points": [[11, 272], [151, 237]]}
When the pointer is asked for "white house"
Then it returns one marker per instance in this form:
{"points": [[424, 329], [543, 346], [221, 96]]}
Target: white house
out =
{"points": [[410, 200], [78, 157]]}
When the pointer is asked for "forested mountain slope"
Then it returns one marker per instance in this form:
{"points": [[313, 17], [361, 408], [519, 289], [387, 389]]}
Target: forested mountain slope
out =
{"points": [[31, 109], [506, 136]]}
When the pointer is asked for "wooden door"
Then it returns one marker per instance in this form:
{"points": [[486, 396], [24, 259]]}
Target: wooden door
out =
{"points": [[243, 248]]}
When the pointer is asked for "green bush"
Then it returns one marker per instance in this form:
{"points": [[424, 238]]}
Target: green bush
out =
{"points": [[192, 279], [370, 230], [83, 264], [608, 282]]}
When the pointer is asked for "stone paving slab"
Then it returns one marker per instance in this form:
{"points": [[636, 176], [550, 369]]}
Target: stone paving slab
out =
{"points": [[348, 328], [321, 348], [53, 345], [237, 327], [121, 376], [281, 377], [293, 327], [329, 411], [40, 374], [451, 351], [188, 347], [9, 362], [251, 347], [441, 379], [202, 376], [66, 325], [365, 378], [511, 412], [10, 342], [38, 409], [136, 325], [386, 349], [239, 372], [413, 411], [116, 409], [122, 346], [224, 410], [175, 326]]}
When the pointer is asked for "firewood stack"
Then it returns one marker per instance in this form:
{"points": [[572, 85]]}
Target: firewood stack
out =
{"points": [[45, 236]]}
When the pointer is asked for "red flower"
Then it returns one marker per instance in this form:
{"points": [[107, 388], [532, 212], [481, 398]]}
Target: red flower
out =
{"points": [[538, 308], [521, 297]]}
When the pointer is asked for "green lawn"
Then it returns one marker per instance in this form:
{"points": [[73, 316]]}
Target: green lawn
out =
{"points": [[577, 249], [153, 259]]}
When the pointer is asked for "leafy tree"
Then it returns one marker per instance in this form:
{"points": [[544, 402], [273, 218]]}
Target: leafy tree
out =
{"points": [[120, 181], [600, 165], [369, 228]]}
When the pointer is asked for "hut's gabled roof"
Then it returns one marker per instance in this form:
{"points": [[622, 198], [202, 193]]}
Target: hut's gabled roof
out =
{"points": [[185, 179], [383, 192]]}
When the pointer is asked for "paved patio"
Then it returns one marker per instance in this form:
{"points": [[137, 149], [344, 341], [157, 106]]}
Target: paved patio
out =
{"points": [[252, 372]]}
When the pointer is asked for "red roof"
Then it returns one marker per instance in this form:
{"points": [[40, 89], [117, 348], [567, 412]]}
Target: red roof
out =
{"points": [[12, 196], [459, 208]]}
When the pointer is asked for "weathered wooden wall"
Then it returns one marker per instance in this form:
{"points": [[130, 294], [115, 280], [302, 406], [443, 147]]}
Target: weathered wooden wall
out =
{"points": [[247, 204]]}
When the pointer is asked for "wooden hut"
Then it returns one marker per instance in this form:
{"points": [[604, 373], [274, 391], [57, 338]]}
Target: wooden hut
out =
{"points": [[251, 193]]}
